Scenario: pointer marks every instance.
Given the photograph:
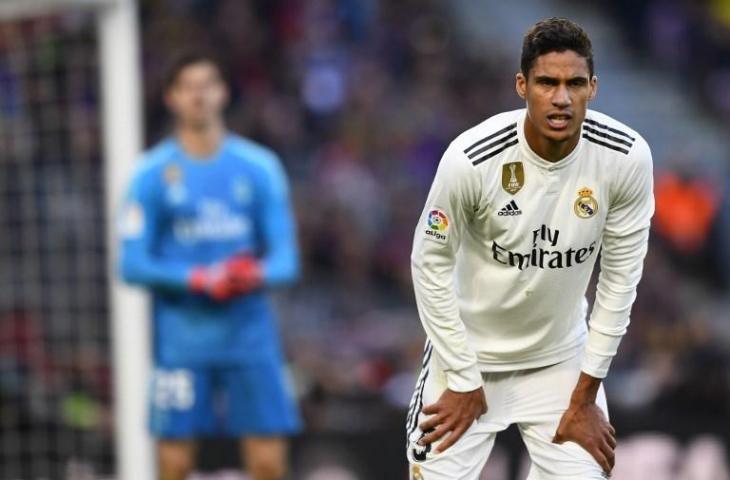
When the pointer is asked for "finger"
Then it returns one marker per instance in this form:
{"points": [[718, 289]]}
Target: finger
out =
{"points": [[455, 435], [431, 423], [611, 441], [431, 409], [483, 406], [435, 435], [601, 459], [559, 437], [612, 430], [609, 454]]}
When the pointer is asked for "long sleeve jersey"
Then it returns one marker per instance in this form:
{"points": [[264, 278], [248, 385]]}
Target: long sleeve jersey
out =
{"points": [[180, 213], [507, 242]]}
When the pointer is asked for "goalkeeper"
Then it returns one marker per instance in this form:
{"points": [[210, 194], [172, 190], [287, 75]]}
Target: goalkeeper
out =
{"points": [[207, 228]]}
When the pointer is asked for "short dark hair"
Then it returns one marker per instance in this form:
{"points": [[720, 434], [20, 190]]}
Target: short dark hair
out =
{"points": [[191, 57], [555, 35]]}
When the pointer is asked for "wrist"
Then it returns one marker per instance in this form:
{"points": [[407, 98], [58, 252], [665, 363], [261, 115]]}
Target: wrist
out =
{"points": [[585, 391], [198, 279], [465, 380]]}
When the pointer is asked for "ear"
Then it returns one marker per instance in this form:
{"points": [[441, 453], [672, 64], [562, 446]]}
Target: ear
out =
{"points": [[226, 95], [167, 98], [521, 85], [594, 88]]}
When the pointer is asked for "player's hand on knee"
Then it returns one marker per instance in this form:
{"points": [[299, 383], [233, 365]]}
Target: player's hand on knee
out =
{"points": [[586, 425], [453, 413]]}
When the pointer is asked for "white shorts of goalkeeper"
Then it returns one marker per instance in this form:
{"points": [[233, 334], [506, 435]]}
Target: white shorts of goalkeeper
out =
{"points": [[534, 399]]}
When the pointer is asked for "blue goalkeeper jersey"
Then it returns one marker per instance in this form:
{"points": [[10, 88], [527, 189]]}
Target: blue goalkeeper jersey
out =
{"points": [[182, 212]]}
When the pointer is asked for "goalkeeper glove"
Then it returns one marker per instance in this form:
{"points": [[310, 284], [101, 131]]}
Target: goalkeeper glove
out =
{"points": [[225, 280], [213, 281], [245, 273]]}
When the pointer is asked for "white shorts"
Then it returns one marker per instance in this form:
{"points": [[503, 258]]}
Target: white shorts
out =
{"points": [[534, 399]]}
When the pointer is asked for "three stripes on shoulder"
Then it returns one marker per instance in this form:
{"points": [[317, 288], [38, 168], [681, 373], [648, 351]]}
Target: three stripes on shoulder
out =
{"points": [[478, 152], [595, 132], [606, 136]]}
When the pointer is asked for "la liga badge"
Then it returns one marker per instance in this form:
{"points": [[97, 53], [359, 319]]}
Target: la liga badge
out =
{"points": [[437, 225]]}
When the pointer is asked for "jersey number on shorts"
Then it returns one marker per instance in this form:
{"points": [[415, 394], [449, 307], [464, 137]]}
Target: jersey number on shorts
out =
{"points": [[173, 389]]}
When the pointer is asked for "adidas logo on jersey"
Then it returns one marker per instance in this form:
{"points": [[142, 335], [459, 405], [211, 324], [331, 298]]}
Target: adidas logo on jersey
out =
{"points": [[510, 210]]}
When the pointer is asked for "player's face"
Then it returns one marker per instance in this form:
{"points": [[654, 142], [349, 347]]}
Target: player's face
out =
{"points": [[557, 91], [198, 96]]}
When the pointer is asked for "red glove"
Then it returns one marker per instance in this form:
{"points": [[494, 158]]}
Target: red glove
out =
{"points": [[213, 281], [245, 273], [223, 281]]}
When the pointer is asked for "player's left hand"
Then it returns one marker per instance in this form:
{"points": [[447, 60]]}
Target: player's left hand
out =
{"points": [[244, 273], [586, 425]]}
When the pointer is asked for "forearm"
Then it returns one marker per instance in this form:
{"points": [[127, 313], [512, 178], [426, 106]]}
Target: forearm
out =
{"points": [[621, 268], [280, 263], [439, 314], [149, 271]]}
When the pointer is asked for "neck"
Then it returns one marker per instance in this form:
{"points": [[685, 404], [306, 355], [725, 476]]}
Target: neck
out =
{"points": [[200, 141], [546, 148]]}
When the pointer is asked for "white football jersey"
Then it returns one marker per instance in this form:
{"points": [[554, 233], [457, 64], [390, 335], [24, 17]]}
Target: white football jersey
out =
{"points": [[507, 241]]}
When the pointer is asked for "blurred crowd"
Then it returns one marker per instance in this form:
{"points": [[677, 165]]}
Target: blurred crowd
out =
{"points": [[360, 98], [690, 39], [678, 343]]}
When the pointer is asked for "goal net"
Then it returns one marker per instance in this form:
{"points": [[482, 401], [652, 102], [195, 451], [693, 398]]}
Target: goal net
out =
{"points": [[56, 384]]}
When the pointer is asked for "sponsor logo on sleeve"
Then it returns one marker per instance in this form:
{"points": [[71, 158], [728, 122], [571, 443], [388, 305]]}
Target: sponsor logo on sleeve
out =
{"points": [[437, 225], [131, 224], [585, 205]]}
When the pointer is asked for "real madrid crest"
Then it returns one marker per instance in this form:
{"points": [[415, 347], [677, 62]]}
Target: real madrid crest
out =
{"points": [[172, 174], [513, 177], [416, 473], [585, 205]]}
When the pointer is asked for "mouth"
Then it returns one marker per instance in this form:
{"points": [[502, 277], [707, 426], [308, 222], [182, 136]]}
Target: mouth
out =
{"points": [[559, 121]]}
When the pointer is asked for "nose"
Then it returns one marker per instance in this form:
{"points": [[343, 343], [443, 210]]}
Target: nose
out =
{"points": [[561, 97]]}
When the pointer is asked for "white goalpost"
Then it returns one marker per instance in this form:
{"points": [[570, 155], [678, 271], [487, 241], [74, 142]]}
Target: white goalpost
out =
{"points": [[121, 122], [121, 103]]}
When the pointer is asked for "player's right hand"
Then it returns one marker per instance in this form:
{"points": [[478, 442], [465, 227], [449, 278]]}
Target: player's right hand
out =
{"points": [[453, 413]]}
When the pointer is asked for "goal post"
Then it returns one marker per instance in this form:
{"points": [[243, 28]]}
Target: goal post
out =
{"points": [[121, 121]]}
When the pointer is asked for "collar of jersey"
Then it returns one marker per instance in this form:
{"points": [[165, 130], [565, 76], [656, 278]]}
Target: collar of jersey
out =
{"points": [[202, 161], [537, 159]]}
